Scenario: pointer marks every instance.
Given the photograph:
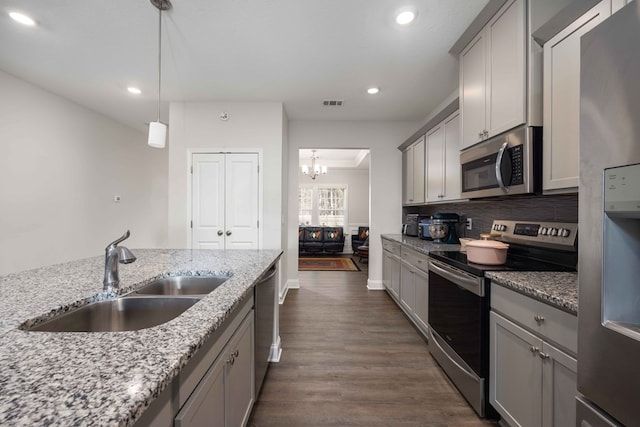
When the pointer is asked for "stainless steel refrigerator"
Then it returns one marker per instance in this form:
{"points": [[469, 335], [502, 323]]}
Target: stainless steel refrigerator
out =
{"points": [[609, 215]]}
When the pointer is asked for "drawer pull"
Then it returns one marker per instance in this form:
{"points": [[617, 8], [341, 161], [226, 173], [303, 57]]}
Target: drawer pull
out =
{"points": [[534, 349], [538, 318], [543, 355]]}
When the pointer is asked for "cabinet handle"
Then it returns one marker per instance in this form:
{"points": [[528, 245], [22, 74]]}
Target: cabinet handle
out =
{"points": [[231, 360], [485, 133], [228, 233], [236, 353], [220, 233], [480, 135], [543, 356], [534, 349], [538, 318]]}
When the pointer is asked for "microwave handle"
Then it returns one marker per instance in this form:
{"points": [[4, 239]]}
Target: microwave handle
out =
{"points": [[503, 149]]}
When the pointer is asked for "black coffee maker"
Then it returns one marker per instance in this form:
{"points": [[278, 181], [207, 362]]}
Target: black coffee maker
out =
{"points": [[443, 228]]}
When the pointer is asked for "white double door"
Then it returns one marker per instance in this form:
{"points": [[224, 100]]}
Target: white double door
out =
{"points": [[225, 201]]}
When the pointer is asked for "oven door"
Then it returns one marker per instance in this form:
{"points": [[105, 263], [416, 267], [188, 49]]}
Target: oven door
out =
{"points": [[501, 166], [458, 330]]}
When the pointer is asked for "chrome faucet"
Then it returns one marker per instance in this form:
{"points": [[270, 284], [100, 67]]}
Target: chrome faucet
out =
{"points": [[115, 254]]}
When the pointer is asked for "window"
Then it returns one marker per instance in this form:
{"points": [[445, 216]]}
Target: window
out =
{"points": [[322, 205]]}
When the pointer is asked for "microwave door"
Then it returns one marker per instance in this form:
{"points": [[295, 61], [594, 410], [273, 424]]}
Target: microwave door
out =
{"points": [[504, 167]]}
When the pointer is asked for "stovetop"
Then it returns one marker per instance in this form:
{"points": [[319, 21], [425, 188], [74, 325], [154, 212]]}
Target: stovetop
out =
{"points": [[514, 263], [533, 246]]}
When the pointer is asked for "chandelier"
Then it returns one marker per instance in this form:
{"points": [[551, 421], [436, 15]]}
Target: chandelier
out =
{"points": [[316, 169]]}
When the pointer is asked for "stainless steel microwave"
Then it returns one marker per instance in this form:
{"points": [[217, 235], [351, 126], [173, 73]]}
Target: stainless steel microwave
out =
{"points": [[508, 164]]}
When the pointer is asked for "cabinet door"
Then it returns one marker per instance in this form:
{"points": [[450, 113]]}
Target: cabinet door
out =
{"points": [[506, 87], [386, 269], [515, 373], [205, 406], [452, 157], [561, 107], [558, 387], [395, 276], [473, 76], [421, 280], [407, 168], [418, 171], [407, 287], [435, 163], [239, 381]]}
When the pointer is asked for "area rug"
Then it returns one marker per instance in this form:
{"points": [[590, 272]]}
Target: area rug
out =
{"points": [[327, 264]]}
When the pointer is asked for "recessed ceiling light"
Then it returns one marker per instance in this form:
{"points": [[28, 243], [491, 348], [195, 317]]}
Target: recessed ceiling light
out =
{"points": [[406, 16], [23, 19], [134, 90], [373, 90]]}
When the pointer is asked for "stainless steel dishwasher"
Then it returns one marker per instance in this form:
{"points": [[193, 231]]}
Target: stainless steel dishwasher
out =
{"points": [[265, 306]]}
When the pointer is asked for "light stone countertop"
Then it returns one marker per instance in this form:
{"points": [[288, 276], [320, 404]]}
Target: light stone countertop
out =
{"points": [[559, 290], [107, 378]]}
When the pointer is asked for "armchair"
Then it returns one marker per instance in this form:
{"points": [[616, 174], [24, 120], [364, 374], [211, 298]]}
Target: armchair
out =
{"points": [[358, 239]]}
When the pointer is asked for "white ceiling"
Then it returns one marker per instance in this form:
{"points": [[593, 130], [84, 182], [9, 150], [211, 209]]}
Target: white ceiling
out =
{"points": [[298, 52]]}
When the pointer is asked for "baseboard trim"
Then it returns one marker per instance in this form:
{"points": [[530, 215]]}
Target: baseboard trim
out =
{"points": [[375, 285], [276, 351], [290, 284]]}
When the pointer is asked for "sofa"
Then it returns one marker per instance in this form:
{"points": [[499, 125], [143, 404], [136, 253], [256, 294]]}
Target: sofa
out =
{"points": [[359, 239], [315, 240]]}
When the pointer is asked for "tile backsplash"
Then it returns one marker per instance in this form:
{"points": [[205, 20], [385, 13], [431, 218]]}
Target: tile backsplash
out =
{"points": [[560, 208]]}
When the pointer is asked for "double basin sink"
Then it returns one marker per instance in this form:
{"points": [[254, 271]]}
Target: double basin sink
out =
{"points": [[151, 305]]}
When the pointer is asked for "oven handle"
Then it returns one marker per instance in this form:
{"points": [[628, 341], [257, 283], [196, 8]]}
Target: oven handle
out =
{"points": [[468, 282], [499, 164]]}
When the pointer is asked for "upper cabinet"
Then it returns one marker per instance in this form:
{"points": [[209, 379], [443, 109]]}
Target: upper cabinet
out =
{"points": [[414, 172], [443, 160], [493, 76], [561, 131]]}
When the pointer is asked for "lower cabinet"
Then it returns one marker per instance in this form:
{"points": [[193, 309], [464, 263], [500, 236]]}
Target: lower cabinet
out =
{"points": [[217, 387], [224, 397], [391, 267], [414, 287], [532, 382]]}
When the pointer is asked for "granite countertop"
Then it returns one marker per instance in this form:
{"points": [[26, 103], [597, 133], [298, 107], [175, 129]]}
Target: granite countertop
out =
{"points": [[556, 289], [559, 290], [420, 245], [107, 378]]}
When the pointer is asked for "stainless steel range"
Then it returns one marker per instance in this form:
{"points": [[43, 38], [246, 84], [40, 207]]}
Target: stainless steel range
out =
{"points": [[459, 299]]}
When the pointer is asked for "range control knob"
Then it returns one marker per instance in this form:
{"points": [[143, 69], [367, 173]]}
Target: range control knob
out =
{"points": [[564, 232], [553, 232], [543, 231], [503, 227]]}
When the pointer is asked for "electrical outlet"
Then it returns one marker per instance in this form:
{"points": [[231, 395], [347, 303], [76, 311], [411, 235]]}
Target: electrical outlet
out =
{"points": [[469, 224]]}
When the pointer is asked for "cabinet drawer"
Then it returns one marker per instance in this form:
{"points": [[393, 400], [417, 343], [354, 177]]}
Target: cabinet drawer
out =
{"points": [[416, 259], [390, 246], [551, 323]]}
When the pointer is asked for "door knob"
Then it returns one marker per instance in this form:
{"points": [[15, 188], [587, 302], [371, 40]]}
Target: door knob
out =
{"points": [[220, 233], [228, 233]]}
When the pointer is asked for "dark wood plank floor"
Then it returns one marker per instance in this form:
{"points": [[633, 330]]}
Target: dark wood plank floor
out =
{"points": [[351, 358]]}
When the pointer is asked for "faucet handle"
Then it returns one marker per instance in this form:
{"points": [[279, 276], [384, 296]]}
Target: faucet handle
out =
{"points": [[125, 236]]}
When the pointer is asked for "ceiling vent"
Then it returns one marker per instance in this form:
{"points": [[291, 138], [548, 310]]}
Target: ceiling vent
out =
{"points": [[332, 103]]}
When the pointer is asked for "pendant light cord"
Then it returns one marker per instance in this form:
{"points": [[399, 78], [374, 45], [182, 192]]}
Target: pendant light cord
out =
{"points": [[159, 57]]}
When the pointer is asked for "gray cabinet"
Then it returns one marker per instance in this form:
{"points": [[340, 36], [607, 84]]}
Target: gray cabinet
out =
{"points": [[443, 160], [493, 71], [561, 105], [391, 267], [413, 168], [533, 368], [225, 395], [414, 287]]}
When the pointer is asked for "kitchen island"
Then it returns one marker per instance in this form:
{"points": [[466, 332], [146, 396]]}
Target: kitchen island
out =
{"points": [[107, 378]]}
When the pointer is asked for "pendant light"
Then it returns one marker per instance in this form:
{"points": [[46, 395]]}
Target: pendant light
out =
{"points": [[316, 168], [157, 129]]}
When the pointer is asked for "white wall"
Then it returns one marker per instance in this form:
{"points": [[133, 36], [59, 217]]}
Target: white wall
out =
{"points": [[385, 178], [255, 126], [60, 166]]}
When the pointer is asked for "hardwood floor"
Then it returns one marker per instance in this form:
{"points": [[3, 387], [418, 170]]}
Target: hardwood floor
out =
{"points": [[351, 358]]}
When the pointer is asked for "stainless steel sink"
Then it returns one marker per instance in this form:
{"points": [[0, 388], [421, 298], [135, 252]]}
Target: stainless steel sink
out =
{"points": [[183, 285], [121, 314]]}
